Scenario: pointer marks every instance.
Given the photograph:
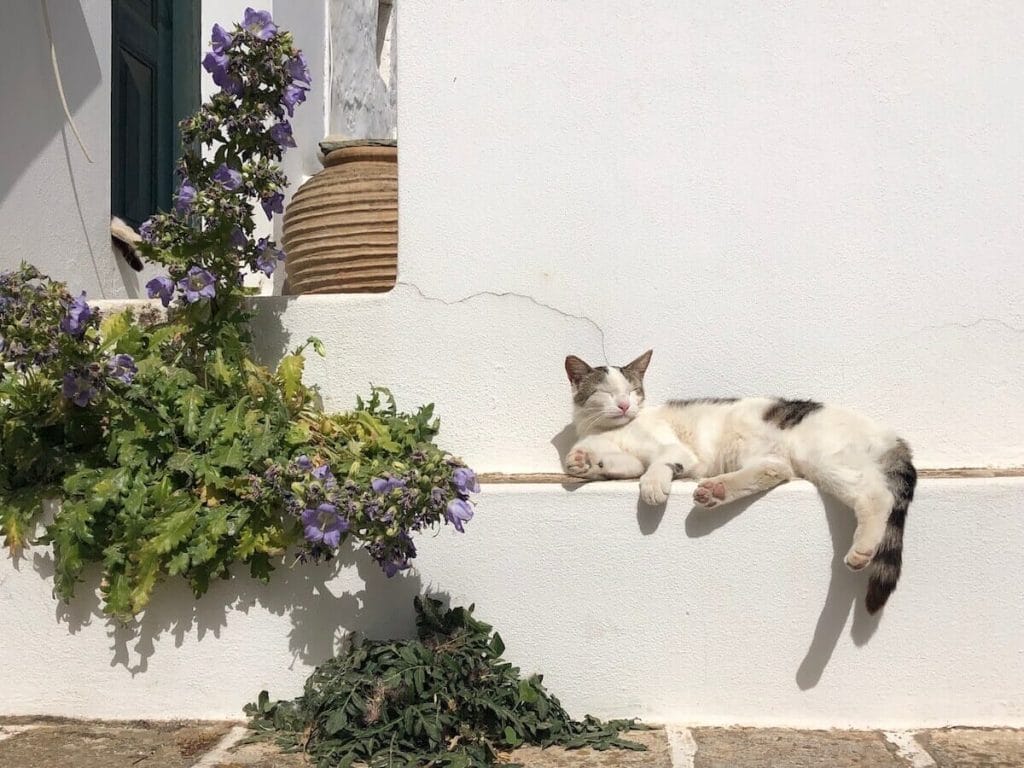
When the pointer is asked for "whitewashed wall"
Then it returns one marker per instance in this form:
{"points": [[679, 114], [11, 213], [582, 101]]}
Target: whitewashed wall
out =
{"points": [[805, 199], [54, 204], [678, 615], [792, 199]]}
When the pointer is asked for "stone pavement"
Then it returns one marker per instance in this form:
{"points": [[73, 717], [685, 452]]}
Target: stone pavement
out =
{"points": [[48, 743]]}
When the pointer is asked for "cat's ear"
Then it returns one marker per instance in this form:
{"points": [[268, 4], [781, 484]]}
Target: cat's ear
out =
{"points": [[576, 369], [639, 366]]}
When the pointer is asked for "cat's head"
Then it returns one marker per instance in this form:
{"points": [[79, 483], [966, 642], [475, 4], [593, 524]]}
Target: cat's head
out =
{"points": [[606, 397]]}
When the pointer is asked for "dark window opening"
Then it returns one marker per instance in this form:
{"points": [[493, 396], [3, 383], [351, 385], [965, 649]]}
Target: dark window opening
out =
{"points": [[154, 84]]}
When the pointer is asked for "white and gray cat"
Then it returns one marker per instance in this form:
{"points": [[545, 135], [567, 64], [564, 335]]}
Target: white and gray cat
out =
{"points": [[738, 447]]}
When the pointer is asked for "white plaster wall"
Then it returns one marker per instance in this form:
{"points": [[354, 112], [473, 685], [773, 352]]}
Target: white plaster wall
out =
{"points": [[685, 616], [493, 364], [54, 204], [804, 199]]}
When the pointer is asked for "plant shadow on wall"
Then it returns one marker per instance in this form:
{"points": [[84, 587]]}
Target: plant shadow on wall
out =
{"points": [[845, 589], [325, 605], [175, 455]]}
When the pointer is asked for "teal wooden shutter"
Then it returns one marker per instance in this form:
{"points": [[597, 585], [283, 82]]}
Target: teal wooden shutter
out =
{"points": [[155, 82]]}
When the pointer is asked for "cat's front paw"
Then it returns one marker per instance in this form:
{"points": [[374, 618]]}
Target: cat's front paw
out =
{"points": [[656, 484], [580, 462]]}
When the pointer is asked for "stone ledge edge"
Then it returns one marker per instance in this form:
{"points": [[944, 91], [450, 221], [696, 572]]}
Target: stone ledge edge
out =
{"points": [[540, 478]]}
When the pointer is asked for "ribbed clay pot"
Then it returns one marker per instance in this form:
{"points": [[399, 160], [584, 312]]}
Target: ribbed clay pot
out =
{"points": [[340, 230]]}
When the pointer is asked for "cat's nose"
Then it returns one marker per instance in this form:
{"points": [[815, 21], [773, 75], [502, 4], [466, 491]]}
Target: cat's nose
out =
{"points": [[623, 405]]}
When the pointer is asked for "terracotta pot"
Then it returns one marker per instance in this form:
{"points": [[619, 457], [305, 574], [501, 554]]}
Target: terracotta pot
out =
{"points": [[341, 228]]}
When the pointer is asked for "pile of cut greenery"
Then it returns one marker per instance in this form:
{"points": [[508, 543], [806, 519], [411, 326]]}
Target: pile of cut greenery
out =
{"points": [[445, 699]]}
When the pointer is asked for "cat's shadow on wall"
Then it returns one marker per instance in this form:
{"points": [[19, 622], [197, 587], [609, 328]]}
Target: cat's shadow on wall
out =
{"points": [[845, 589]]}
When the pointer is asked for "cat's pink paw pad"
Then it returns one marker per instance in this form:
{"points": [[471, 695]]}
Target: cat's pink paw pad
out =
{"points": [[709, 493], [578, 462]]}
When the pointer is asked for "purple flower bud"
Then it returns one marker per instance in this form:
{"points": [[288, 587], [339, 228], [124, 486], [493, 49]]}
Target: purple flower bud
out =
{"points": [[386, 484], [185, 197], [259, 24], [459, 511], [465, 482], [122, 367], [323, 474], [304, 463], [220, 39], [293, 96], [161, 286], [78, 388], [228, 178], [238, 238], [197, 285], [273, 204], [324, 525], [77, 318], [266, 260], [298, 68], [282, 134], [146, 231]]}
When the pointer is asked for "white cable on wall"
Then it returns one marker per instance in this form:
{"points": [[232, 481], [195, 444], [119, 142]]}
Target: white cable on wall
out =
{"points": [[60, 84]]}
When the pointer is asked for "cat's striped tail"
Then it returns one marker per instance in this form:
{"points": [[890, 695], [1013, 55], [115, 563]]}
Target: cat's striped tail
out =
{"points": [[901, 477]]}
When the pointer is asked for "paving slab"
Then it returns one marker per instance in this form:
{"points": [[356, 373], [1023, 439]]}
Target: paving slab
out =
{"points": [[657, 755], [262, 754], [109, 745], [778, 747], [974, 747], [265, 755]]}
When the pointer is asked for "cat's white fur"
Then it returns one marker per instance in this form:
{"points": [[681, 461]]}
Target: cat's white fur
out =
{"points": [[734, 450]]}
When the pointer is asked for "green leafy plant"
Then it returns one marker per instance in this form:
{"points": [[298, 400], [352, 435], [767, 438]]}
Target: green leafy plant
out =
{"points": [[446, 698], [173, 450]]}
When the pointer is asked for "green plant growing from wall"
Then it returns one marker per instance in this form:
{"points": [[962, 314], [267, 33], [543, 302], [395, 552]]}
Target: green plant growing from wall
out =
{"points": [[172, 449]]}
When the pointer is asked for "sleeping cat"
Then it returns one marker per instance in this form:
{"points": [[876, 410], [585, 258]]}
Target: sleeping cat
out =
{"points": [[738, 447]]}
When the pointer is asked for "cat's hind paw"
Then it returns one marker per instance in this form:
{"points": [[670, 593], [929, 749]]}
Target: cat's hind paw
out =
{"points": [[856, 560], [579, 462], [709, 493]]}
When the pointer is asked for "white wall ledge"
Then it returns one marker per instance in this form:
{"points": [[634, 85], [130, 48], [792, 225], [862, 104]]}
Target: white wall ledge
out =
{"points": [[739, 615]]}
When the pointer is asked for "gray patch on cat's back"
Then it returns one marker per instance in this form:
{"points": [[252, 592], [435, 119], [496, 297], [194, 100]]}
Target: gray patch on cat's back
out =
{"points": [[702, 401], [786, 414], [588, 384]]}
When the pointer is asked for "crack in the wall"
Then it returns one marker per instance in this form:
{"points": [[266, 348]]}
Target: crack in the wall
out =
{"points": [[976, 323], [506, 294]]}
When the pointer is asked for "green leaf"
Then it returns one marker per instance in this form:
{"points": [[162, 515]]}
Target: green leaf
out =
{"points": [[336, 722], [497, 646], [527, 693], [174, 529], [191, 404], [289, 371]]}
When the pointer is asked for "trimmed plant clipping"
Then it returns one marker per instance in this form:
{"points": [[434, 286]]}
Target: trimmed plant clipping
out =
{"points": [[446, 699], [172, 449]]}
